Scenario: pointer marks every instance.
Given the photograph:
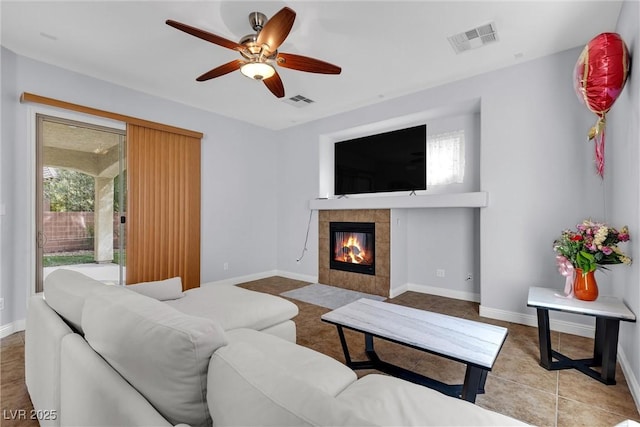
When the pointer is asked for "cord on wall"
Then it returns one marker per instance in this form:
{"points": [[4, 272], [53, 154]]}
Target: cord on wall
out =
{"points": [[306, 239]]}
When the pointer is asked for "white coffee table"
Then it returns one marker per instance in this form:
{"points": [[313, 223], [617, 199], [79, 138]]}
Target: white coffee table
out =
{"points": [[473, 343], [607, 310]]}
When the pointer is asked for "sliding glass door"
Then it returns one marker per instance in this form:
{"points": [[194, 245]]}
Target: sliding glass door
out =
{"points": [[80, 199]]}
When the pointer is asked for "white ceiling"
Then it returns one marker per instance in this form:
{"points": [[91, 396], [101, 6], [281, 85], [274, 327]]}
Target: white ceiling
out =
{"points": [[385, 48]]}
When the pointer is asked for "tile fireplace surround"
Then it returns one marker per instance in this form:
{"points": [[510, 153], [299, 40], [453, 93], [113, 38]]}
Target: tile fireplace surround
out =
{"points": [[378, 284]]}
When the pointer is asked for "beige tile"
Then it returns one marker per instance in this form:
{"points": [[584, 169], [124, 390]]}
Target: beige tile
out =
{"points": [[572, 413], [383, 234], [575, 347], [382, 286], [383, 215], [324, 275], [337, 216], [12, 367], [323, 216], [578, 387], [527, 404], [363, 215], [12, 340], [522, 366]]}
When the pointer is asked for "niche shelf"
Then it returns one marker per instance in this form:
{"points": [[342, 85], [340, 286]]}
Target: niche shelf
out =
{"points": [[479, 199]]}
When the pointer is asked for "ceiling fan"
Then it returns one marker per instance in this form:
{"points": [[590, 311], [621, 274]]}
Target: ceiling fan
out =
{"points": [[260, 51]]}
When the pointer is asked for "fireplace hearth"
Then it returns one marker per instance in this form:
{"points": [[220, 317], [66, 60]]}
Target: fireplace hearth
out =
{"points": [[352, 247]]}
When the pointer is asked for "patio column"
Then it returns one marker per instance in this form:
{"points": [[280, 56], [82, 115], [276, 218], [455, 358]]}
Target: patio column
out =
{"points": [[103, 220]]}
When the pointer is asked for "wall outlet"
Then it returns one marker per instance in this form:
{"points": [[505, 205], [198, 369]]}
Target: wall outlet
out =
{"points": [[439, 272], [1, 303], [225, 266]]}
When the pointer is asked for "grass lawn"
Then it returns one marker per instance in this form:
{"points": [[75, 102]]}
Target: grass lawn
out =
{"points": [[70, 259]]}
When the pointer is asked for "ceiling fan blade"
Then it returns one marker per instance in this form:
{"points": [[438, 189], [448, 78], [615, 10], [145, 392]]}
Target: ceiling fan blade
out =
{"points": [[221, 70], [304, 63], [276, 29], [274, 84], [205, 35]]}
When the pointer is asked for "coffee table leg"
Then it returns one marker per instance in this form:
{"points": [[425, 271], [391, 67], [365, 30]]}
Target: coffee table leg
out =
{"points": [[345, 348], [474, 380]]}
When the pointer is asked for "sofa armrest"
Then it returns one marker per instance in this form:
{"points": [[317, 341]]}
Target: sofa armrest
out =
{"points": [[246, 387], [43, 337], [392, 401], [93, 394]]}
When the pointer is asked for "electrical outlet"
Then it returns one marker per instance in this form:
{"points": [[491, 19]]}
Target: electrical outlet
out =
{"points": [[439, 272], [225, 266], [1, 303]]}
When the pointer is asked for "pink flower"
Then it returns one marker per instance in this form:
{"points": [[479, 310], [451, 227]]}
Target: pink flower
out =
{"points": [[606, 250]]}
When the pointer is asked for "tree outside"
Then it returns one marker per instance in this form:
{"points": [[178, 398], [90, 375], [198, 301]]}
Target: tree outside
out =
{"points": [[70, 191]]}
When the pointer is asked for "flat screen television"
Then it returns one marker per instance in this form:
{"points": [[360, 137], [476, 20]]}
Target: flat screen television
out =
{"points": [[385, 162]]}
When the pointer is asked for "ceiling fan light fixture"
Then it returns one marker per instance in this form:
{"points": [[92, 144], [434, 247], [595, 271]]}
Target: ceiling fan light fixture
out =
{"points": [[257, 70]]}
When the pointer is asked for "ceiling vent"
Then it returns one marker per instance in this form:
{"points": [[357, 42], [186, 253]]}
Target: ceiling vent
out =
{"points": [[474, 38], [299, 101]]}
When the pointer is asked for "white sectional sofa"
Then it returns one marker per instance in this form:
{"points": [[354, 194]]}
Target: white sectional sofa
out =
{"points": [[110, 356]]}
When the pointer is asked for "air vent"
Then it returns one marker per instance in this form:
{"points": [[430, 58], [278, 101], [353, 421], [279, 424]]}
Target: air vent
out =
{"points": [[474, 38], [299, 101]]}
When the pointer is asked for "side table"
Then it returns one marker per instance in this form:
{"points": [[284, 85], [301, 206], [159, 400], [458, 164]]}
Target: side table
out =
{"points": [[608, 311]]}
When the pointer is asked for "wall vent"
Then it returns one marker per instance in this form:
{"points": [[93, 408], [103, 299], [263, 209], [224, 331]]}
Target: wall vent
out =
{"points": [[299, 101], [474, 38]]}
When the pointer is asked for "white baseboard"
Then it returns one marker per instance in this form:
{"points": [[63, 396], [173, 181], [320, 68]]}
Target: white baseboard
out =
{"points": [[10, 328], [243, 279], [532, 320], [297, 276], [632, 381], [398, 290], [444, 292]]}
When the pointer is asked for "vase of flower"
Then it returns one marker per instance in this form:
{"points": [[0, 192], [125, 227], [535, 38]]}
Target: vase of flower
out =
{"points": [[592, 246], [585, 286]]}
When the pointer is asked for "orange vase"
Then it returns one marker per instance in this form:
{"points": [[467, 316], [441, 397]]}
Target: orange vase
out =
{"points": [[584, 286]]}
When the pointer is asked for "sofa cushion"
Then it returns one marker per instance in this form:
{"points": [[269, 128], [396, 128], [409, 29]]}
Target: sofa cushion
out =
{"points": [[234, 307], [324, 372], [249, 388], [162, 290], [391, 401], [160, 351], [65, 291]]}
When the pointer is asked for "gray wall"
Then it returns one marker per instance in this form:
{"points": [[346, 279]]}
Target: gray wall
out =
{"points": [[622, 175], [534, 163], [7, 190], [238, 175]]}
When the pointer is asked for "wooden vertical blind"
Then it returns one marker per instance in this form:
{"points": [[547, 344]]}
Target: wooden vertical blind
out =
{"points": [[163, 206]]}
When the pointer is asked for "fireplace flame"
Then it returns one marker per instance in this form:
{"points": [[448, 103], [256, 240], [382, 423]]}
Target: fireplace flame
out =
{"points": [[352, 251]]}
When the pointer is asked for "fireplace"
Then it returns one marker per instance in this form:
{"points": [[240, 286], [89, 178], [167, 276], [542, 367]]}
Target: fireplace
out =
{"points": [[352, 247]]}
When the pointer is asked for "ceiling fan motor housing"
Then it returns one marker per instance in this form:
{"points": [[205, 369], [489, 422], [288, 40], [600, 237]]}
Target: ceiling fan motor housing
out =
{"points": [[257, 20]]}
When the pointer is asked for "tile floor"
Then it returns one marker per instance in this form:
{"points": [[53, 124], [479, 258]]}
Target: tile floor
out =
{"points": [[517, 386]]}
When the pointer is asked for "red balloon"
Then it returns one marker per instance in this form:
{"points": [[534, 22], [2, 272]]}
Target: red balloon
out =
{"points": [[601, 72], [599, 76]]}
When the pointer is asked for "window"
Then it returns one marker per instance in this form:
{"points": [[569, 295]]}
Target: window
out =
{"points": [[445, 158]]}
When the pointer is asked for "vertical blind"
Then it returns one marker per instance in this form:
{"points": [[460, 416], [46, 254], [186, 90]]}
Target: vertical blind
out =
{"points": [[163, 206]]}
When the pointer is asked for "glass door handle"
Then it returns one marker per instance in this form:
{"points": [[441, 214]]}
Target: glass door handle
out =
{"points": [[41, 239]]}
